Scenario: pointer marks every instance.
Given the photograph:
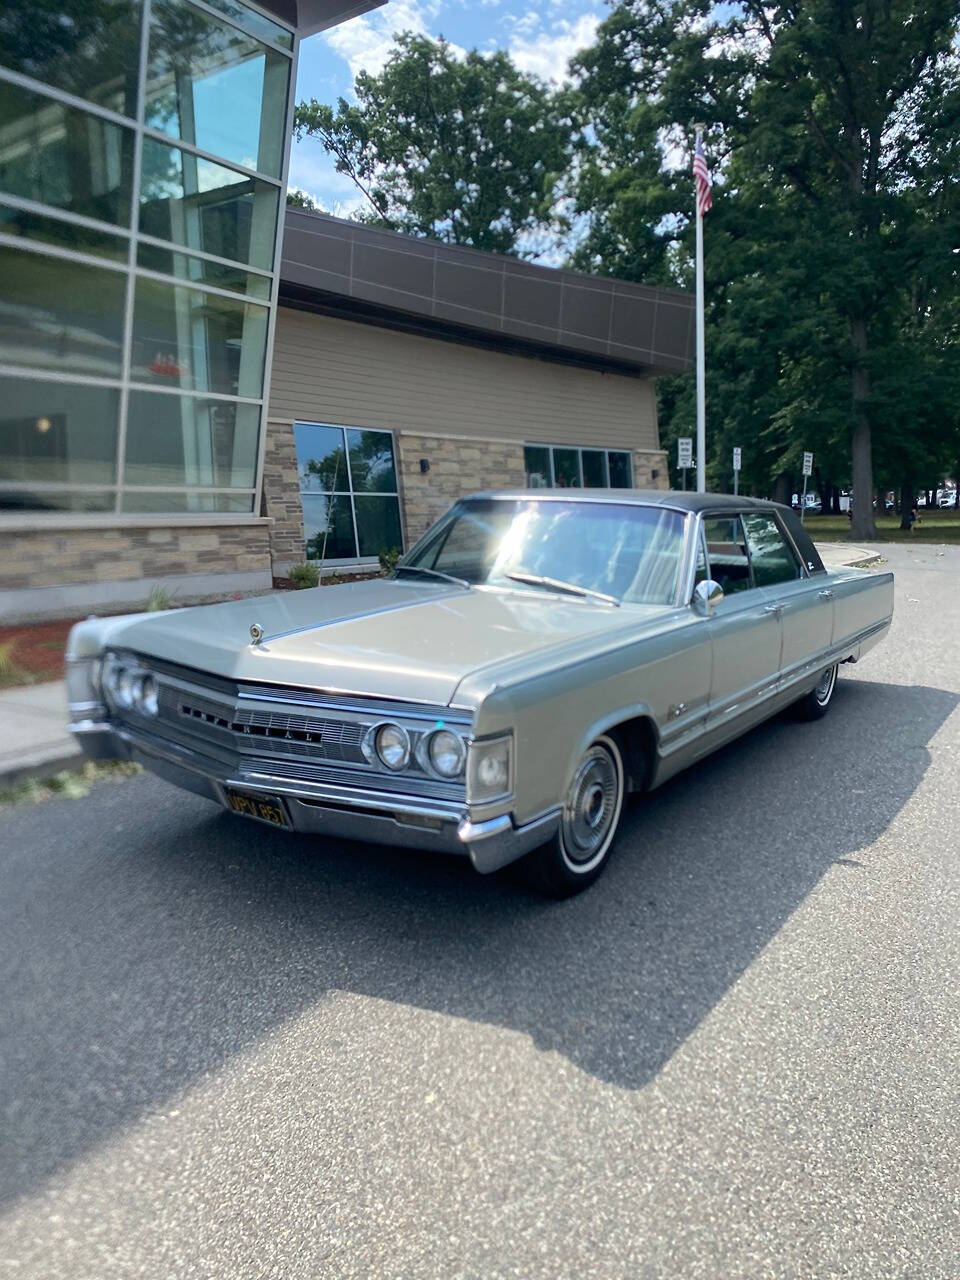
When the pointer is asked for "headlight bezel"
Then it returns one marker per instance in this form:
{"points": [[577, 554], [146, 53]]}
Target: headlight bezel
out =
{"points": [[118, 670], [480, 750], [459, 750]]}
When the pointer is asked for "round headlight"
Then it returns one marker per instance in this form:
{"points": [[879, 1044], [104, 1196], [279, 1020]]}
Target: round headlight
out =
{"points": [[446, 753], [124, 687], [393, 746], [149, 694]]}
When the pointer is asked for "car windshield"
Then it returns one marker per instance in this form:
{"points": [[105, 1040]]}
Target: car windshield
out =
{"points": [[623, 550]]}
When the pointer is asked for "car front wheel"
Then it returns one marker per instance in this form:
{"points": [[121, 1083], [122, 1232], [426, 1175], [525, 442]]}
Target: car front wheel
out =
{"points": [[592, 806]]}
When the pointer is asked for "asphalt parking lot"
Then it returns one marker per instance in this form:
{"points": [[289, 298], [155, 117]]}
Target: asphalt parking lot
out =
{"points": [[225, 1052]]}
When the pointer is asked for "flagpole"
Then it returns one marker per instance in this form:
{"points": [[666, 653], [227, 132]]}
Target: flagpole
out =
{"points": [[701, 358]]}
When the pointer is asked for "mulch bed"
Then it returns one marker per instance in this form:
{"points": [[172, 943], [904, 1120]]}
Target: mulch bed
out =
{"points": [[34, 652]]}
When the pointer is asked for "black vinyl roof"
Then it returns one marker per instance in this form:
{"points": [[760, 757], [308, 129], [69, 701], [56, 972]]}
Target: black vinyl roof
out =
{"points": [[674, 498]]}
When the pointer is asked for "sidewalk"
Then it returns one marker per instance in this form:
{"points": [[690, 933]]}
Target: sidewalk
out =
{"points": [[843, 555], [34, 742]]}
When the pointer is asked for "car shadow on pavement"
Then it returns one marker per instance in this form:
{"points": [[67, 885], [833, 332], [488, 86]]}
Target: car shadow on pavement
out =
{"points": [[155, 938]]}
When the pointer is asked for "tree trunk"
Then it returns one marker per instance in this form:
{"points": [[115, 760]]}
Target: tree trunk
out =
{"points": [[863, 524], [906, 503]]}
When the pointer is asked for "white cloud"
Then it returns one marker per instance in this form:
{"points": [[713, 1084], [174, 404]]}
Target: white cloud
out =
{"points": [[547, 55], [365, 43]]}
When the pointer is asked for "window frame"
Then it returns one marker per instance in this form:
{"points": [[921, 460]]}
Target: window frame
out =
{"points": [[579, 450], [351, 492], [700, 539], [787, 542]]}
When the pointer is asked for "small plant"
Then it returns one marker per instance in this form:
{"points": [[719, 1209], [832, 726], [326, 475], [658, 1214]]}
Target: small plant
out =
{"points": [[305, 575], [388, 559], [10, 672], [158, 600]]}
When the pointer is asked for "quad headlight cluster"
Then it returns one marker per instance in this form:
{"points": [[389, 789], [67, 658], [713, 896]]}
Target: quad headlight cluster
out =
{"points": [[487, 763], [438, 751], [128, 687]]}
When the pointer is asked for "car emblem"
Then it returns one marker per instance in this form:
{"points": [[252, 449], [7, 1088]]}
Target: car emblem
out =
{"points": [[256, 632]]}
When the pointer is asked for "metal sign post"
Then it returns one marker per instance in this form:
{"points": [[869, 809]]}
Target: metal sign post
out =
{"points": [[736, 469], [807, 472], [684, 457]]}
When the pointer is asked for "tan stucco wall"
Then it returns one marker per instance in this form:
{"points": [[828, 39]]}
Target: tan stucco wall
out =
{"points": [[356, 374]]}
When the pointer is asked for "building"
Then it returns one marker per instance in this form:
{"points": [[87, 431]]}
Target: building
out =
{"points": [[197, 396]]}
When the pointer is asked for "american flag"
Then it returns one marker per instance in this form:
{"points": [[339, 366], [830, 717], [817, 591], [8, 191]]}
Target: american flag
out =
{"points": [[702, 177]]}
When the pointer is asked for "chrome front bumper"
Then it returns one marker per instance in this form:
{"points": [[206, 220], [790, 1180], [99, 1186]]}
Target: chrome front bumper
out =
{"points": [[339, 812]]}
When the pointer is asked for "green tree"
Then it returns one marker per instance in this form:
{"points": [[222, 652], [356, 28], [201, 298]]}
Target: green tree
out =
{"points": [[832, 245], [464, 149]]}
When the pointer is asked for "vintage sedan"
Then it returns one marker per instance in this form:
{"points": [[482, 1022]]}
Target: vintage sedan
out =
{"points": [[535, 657]]}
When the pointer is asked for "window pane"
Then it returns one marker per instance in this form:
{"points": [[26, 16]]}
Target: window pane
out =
{"points": [[55, 433], [187, 267], [184, 337], [536, 463], [594, 468], [371, 462], [189, 441], [378, 525], [727, 553], [134, 500], [328, 525], [566, 469], [60, 315], [64, 157], [772, 559], [53, 500], [620, 474], [320, 458], [258, 23], [91, 50], [206, 206], [44, 230], [215, 87]]}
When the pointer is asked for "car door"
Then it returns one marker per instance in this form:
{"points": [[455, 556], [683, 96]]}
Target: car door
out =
{"points": [[805, 603], [745, 633]]}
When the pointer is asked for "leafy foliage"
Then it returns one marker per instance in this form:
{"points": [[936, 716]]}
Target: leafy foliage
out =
{"points": [[305, 575]]}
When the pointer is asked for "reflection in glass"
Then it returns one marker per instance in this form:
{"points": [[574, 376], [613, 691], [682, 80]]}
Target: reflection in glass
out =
{"points": [[215, 87], [371, 462], [64, 157], [60, 315], [57, 433], [171, 262], [184, 337], [328, 526], [206, 206], [44, 230], [536, 463], [185, 440], [320, 458], [378, 524], [258, 23], [566, 469], [772, 559], [54, 500], [620, 474], [90, 48], [594, 468], [143, 500]]}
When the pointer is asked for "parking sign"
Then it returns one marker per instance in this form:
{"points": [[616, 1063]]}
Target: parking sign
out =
{"points": [[685, 451], [736, 459], [808, 464]]}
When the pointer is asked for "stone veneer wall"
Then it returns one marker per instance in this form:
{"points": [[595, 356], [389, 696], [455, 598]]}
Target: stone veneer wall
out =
{"points": [[458, 466], [61, 572], [645, 462], [281, 498]]}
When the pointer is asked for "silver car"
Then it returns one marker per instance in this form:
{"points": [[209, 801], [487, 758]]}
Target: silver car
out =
{"points": [[534, 658]]}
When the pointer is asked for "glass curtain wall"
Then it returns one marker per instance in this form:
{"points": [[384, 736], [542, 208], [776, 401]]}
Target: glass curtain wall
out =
{"points": [[141, 162]]}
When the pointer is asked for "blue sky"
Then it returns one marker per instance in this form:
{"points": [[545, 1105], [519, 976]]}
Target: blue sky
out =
{"points": [[540, 37]]}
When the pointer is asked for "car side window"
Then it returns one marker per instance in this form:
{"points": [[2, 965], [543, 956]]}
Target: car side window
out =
{"points": [[727, 553], [770, 554], [703, 569]]}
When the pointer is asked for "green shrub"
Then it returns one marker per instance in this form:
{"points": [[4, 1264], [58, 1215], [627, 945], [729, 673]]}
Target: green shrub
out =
{"points": [[388, 559], [158, 600], [305, 575]]}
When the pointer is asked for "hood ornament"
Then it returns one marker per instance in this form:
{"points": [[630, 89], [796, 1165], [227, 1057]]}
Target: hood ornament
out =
{"points": [[256, 632]]}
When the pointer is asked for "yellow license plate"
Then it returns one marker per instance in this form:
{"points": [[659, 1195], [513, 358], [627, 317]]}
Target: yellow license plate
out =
{"points": [[267, 808]]}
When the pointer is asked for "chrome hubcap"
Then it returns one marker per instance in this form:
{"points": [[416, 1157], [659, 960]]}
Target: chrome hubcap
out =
{"points": [[591, 806], [824, 689]]}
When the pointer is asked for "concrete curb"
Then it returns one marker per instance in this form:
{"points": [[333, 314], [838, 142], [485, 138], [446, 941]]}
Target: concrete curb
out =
{"points": [[41, 766]]}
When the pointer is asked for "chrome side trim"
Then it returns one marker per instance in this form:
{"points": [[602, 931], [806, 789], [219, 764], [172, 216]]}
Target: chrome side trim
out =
{"points": [[452, 715]]}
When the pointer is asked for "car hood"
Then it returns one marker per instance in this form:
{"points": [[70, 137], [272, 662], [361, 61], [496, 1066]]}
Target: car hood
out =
{"points": [[386, 638]]}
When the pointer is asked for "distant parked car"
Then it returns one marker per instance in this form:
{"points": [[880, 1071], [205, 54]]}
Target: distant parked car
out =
{"points": [[947, 498]]}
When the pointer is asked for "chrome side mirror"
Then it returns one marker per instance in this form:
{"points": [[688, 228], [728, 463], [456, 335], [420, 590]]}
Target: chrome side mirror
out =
{"points": [[706, 596]]}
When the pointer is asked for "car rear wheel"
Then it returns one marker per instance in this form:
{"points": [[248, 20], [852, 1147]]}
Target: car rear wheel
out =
{"points": [[592, 806], [816, 703]]}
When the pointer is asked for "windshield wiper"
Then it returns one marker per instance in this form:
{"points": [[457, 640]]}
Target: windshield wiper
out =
{"points": [[568, 588], [432, 573]]}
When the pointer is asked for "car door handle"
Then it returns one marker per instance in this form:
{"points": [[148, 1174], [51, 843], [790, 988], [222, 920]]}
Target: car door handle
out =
{"points": [[773, 609], [825, 595]]}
